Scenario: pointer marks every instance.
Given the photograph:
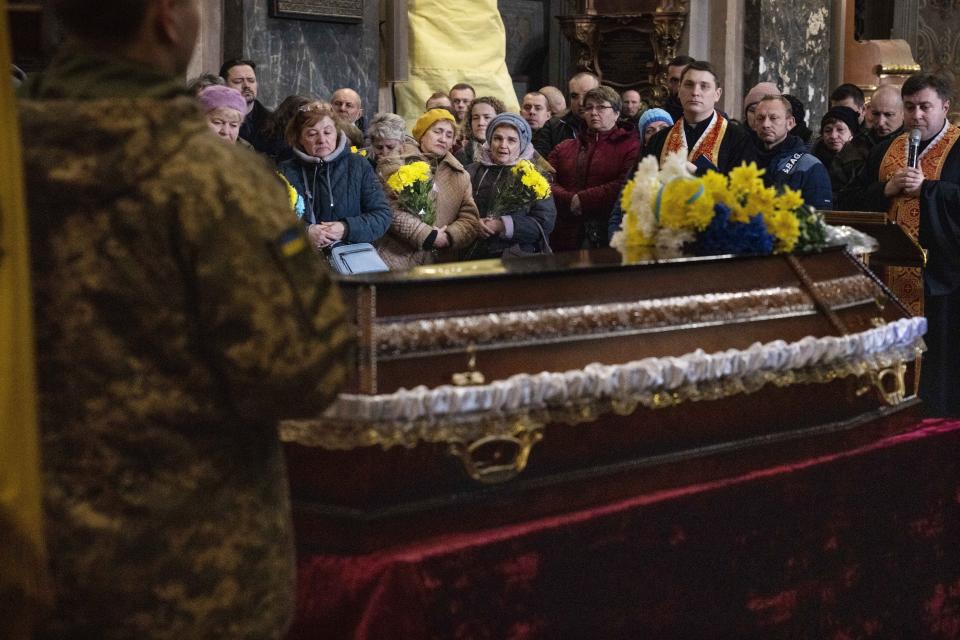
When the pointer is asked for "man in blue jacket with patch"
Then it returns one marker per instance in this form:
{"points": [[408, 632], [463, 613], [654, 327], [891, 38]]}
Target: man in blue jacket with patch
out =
{"points": [[785, 156]]}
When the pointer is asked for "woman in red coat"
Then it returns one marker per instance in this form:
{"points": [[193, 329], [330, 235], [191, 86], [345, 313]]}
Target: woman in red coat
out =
{"points": [[591, 170]]}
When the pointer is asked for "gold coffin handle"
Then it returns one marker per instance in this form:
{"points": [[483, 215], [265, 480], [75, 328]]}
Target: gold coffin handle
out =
{"points": [[496, 473], [891, 385]]}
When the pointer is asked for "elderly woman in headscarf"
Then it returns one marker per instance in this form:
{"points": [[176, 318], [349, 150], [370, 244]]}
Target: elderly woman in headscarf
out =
{"points": [[411, 241], [344, 199], [508, 140], [224, 109]]}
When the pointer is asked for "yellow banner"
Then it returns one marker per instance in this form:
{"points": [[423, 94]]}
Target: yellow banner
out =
{"points": [[21, 541], [453, 42]]}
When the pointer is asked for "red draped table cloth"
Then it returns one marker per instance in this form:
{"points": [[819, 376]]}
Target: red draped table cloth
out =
{"points": [[858, 544]]}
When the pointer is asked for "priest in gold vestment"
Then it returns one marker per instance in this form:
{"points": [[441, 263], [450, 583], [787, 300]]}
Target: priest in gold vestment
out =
{"points": [[925, 201]]}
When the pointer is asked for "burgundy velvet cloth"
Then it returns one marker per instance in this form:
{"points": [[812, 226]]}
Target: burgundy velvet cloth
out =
{"points": [[861, 544]]}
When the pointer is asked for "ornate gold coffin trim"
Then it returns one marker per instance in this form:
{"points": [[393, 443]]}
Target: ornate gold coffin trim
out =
{"points": [[525, 403], [530, 326]]}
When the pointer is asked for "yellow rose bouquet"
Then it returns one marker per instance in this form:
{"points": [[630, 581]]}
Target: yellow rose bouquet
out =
{"points": [[413, 184], [524, 185]]}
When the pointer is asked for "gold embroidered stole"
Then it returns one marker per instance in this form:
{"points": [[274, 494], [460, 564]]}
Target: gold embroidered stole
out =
{"points": [[707, 146], [907, 282]]}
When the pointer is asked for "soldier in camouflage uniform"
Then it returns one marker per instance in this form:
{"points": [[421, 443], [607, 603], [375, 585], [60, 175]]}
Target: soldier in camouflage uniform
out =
{"points": [[179, 315]]}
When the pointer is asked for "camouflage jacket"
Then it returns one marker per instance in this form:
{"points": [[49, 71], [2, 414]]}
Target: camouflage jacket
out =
{"points": [[179, 315]]}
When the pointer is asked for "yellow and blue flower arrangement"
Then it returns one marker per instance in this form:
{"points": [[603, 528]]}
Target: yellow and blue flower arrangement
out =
{"points": [[714, 214]]}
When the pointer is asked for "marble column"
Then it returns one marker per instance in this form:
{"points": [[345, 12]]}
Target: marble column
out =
{"points": [[208, 54], [305, 57], [788, 42]]}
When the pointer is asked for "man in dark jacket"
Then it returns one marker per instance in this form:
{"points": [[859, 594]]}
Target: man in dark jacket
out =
{"points": [[886, 109], [569, 126], [784, 156], [177, 321], [242, 76], [674, 70], [349, 106]]}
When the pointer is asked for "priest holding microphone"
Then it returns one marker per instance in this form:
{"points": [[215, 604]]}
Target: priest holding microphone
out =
{"points": [[915, 178]]}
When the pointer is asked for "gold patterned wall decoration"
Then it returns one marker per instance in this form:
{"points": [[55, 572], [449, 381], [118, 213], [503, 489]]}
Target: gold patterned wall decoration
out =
{"points": [[938, 37]]}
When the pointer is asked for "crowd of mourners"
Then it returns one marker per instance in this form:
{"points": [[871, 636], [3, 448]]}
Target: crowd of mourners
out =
{"points": [[586, 144]]}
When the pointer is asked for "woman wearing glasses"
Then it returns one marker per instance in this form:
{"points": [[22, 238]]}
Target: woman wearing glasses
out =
{"points": [[343, 197], [591, 170]]}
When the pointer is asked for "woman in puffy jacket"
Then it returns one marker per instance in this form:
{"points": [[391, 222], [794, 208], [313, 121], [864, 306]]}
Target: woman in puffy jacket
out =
{"points": [[344, 199], [411, 241], [591, 171]]}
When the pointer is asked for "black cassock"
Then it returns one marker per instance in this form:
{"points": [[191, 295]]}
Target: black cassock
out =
{"points": [[738, 146], [940, 235]]}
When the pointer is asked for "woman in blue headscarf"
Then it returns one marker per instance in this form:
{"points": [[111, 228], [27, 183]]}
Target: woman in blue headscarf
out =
{"points": [[521, 230]]}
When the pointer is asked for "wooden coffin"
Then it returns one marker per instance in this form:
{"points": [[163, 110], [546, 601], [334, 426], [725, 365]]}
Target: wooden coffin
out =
{"points": [[495, 391]]}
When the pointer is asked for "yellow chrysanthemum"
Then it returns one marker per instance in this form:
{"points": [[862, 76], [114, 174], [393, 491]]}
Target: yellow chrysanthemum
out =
{"points": [[676, 200], [789, 200], [785, 227], [292, 195], [420, 171], [395, 181], [745, 177], [523, 166], [761, 201], [408, 175], [627, 196], [531, 178], [715, 184], [701, 212]]}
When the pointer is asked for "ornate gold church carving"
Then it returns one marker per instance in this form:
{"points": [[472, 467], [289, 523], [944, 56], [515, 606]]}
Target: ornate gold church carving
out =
{"points": [[627, 43]]}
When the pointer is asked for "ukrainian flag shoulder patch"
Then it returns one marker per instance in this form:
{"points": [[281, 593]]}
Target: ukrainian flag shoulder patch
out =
{"points": [[291, 242]]}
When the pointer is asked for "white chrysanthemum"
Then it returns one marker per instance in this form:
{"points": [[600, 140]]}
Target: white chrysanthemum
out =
{"points": [[647, 184], [675, 166], [674, 239], [617, 240]]}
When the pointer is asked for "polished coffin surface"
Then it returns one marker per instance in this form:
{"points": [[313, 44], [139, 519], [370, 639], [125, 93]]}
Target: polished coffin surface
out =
{"points": [[450, 412]]}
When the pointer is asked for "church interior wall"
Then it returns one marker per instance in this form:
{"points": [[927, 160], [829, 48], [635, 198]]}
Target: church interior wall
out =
{"points": [[794, 43], [788, 43], [937, 47], [306, 57]]}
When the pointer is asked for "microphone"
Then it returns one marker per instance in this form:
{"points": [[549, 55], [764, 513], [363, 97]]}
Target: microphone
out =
{"points": [[913, 149]]}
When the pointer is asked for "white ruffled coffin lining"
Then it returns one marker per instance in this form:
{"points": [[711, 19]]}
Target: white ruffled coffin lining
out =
{"points": [[637, 380]]}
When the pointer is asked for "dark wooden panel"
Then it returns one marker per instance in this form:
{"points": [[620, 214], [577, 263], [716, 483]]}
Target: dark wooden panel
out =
{"points": [[573, 288], [527, 37]]}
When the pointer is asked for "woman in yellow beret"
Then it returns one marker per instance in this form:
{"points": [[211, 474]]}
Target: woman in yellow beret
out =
{"points": [[411, 240]]}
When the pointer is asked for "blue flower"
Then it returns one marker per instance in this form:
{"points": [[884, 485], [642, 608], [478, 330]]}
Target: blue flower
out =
{"points": [[724, 236]]}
